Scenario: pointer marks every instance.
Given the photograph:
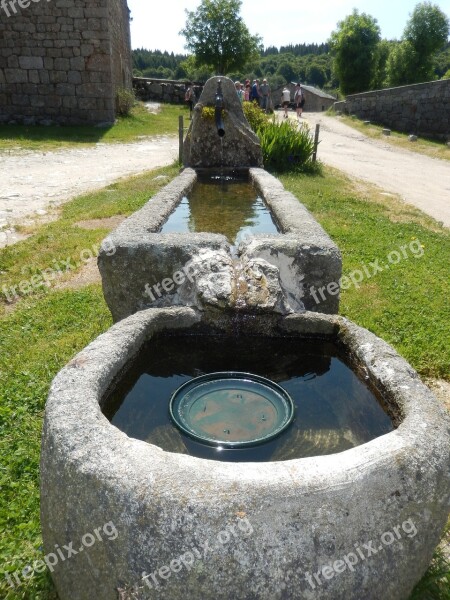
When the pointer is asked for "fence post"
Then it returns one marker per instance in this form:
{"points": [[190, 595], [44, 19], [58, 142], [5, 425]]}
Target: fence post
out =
{"points": [[316, 142], [180, 139]]}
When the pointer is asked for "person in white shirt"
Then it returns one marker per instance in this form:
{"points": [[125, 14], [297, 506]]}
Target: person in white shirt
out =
{"points": [[264, 91], [285, 100]]}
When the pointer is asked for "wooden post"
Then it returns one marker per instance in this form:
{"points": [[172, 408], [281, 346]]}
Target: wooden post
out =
{"points": [[316, 142], [180, 139]]}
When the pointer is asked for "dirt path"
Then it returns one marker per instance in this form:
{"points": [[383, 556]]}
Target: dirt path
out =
{"points": [[32, 182], [419, 180]]}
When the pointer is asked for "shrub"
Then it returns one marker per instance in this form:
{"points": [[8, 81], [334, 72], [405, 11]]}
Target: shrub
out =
{"points": [[125, 100], [256, 117], [208, 113], [285, 147]]}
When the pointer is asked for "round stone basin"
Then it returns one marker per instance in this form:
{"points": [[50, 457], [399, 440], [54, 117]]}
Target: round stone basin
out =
{"points": [[334, 407], [359, 523]]}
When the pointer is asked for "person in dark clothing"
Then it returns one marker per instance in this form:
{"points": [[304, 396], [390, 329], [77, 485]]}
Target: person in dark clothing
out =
{"points": [[254, 94]]}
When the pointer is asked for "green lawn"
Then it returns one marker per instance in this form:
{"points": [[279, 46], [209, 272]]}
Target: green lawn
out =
{"points": [[407, 305], [127, 129]]}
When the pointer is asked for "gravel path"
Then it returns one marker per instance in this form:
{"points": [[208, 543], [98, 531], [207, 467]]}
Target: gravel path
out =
{"points": [[419, 180], [31, 182]]}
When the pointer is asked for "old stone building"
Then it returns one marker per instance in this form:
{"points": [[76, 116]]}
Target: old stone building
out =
{"points": [[316, 100], [63, 61]]}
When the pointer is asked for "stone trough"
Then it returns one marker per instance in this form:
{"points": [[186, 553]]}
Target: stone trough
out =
{"points": [[295, 263], [299, 260], [145, 523], [358, 524]]}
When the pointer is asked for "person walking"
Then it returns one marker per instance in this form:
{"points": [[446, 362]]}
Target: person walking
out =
{"points": [[190, 98], [254, 94], [299, 100], [285, 100], [264, 91], [247, 90]]}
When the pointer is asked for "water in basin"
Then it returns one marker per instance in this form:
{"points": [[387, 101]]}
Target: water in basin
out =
{"points": [[334, 408], [224, 205]]}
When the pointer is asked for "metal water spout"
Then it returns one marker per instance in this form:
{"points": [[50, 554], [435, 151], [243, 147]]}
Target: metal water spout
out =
{"points": [[219, 109]]}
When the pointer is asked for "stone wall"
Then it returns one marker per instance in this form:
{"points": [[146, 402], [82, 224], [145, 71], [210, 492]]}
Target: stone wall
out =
{"points": [[163, 90], [62, 61], [421, 109]]}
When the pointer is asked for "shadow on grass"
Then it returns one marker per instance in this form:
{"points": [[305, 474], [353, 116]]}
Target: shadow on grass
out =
{"points": [[53, 133]]}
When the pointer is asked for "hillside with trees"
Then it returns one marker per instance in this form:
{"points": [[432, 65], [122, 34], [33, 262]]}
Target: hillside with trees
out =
{"points": [[354, 59]]}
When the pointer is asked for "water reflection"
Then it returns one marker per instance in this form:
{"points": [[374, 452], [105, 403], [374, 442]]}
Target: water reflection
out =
{"points": [[335, 410], [221, 206]]}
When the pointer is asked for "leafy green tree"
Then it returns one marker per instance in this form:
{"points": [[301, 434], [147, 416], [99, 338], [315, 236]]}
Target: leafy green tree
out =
{"points": [[315, 74], [446, 75], [413, 60], [353, 46], [427, 29], [442, 61], [217, 36], [403, 65], [382, 54], [287, 71]]}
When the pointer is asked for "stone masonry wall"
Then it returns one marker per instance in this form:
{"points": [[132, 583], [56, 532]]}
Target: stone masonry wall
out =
{"points": [[163, 90], [119, 20], [61, 61], [421, 109]]}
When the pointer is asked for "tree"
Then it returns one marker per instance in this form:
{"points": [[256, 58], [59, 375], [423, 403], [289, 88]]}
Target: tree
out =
{"points": [[427, 29], [354, 46], [287, 71], [403, 65], [413, 60], [315, 74], [217, 36], [382, 54]]}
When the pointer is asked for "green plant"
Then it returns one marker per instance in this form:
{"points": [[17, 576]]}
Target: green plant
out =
{"points": [[208, 113], [256, 117], [285, 147], [125, 100]]}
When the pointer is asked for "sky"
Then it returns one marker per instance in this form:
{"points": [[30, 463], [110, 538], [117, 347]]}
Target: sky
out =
{"points": [[156, 26]]}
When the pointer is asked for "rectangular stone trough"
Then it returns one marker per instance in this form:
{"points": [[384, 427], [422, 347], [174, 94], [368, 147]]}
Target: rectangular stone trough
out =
{"points": [[280, 272]]}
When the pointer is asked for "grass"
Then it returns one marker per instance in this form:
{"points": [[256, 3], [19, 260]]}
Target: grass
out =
{"points": [[406, 305], [432, 148], [435, 585], [62, 245], [48, 332], [38, 335], [139, 123]]}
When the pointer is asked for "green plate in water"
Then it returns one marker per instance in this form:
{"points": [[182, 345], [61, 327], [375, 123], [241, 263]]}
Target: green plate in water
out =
{"points": [[231, 409]]}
